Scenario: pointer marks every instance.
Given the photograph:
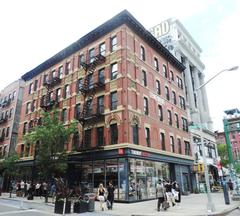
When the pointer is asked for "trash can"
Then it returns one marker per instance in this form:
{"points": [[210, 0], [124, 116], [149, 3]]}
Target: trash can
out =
{"points": [[90, 198]]}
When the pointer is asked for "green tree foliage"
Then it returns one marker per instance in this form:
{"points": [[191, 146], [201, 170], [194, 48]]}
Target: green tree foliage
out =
{"points": [[222, 152], [49, 140], [8, 165]]}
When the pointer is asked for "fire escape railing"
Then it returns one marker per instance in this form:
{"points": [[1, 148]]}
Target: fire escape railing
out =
{"points": [[91, 113]]}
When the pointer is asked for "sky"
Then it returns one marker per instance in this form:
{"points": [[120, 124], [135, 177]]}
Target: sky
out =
{"points": [[33, 31]]}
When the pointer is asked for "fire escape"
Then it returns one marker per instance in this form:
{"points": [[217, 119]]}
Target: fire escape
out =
{"points": [[91, 112], [50, 100]]}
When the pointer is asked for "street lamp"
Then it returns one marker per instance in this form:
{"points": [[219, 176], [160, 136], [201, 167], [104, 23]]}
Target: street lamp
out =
{"points": [[210, 204]]}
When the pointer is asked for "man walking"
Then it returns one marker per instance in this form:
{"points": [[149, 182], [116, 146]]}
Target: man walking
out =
{"points": [[160, 192]]}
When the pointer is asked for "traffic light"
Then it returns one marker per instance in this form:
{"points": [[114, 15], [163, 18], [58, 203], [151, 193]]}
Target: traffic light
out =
{"points": [[200, 167]]}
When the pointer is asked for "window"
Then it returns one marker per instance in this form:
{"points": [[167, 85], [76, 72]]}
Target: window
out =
{"points": [[113, 42], [114, 71], [102, 49], [100, 104], [30, 90], [28, 107], [88, 138], [156, 66], [68, 68], [171, 75], [90, 81], [176, 120], [7, 132], [162, 140], [142, 53], [179, 146], [64, 115], [184, 124], [145, 106], [3, 133], [81, 59], [51, 98], [100, 136], [77, 111], [167, 93], [75, 142], [172, 144], [158, 87], [160, 112], [33, 105], [147, 135], [14, 95], [25, 126], [45, 78], [54, 74], [182, 102], [144, 78], [79, 85], [58, 95], [35, 85], [114, 133], [10, 112], [169, 117], [187, 148], [60, 72], [179, 82], [91, 55], [101, 76], [135, 134], [113, 100], [66, 91], [174, 98], [165, 71]]}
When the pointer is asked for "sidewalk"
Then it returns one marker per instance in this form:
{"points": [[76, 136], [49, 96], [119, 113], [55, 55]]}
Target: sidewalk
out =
{"points": [[192, 205]]}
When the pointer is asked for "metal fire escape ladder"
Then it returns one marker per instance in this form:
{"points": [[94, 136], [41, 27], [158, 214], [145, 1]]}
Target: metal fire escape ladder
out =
{"points": [[88, 91]]}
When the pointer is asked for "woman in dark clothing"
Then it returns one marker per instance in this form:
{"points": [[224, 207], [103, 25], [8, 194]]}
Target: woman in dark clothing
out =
{"points": [[110, 196], [177, 189]]}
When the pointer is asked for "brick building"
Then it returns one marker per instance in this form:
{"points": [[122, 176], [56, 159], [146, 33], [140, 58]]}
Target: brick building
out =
{"points": [[233, 120], [126, 90], [10, 108]]}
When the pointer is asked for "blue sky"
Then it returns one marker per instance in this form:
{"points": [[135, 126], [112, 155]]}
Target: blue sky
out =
{"points": [[33, 31]]}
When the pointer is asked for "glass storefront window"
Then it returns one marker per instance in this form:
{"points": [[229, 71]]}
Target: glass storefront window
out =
{"points": [[143, 177], [151, 179], [122, 171], [112, 174], [98, 174], [86, 177]]}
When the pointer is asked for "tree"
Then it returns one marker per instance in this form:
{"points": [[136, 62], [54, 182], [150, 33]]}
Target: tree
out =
{"points": [[222, 152], [48, 140]]}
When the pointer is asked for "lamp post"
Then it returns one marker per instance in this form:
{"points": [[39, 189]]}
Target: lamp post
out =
{"points": [[210, 204]]}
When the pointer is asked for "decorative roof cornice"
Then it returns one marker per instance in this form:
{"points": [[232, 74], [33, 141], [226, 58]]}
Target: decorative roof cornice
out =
{"points": [[123, 17]]}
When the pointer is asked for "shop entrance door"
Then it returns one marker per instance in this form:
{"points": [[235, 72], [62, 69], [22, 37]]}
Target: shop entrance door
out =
{"points": [[186, 187]]}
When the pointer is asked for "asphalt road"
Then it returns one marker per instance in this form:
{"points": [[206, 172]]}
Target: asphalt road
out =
{"points": [[15, 208]]}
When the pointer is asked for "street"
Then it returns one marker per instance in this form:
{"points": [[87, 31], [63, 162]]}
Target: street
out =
{"points": [[13, 207]]}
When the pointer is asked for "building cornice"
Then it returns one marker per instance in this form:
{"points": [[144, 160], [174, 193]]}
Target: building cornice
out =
{"points": [[123, 17]]}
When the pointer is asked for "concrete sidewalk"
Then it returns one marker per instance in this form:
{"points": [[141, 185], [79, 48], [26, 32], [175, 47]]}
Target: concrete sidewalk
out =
{"points": [[192, 205]]}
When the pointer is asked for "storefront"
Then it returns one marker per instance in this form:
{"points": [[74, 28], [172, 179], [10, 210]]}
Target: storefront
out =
{"points": [[134, 173]]}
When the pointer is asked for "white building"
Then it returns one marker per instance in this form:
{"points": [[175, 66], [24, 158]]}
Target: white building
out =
{"points": [[173, 35]]}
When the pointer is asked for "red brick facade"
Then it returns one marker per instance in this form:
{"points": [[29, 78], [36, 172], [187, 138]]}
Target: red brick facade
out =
{"points": [[130, 94]]}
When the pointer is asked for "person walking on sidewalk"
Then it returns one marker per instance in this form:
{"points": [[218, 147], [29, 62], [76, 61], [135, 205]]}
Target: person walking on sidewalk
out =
{"points": [[230, 186], [160, 192], [101, 195], [110, 196], [169, 193]]}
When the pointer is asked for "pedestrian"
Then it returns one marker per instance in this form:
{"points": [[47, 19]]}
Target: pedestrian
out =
{"points": [[169, 193], [177, 190], [37, 187], [230, 186], [110, 196], [22, 184], [160, 193], [101, 195], [53, 192], [11, 187]]}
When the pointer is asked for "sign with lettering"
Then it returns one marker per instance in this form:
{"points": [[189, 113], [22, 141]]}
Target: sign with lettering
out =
{"points": [[161, 29]]}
